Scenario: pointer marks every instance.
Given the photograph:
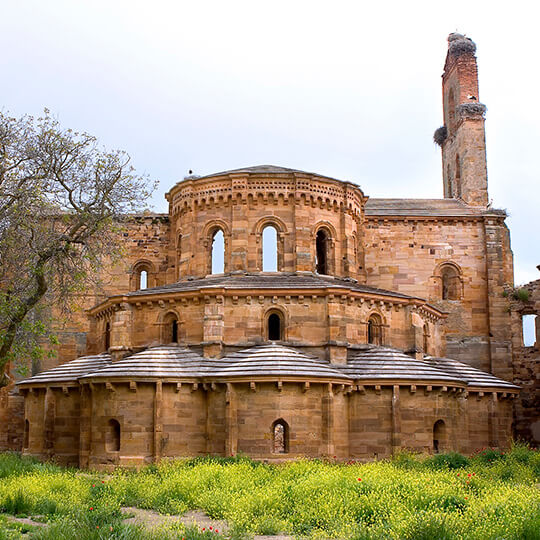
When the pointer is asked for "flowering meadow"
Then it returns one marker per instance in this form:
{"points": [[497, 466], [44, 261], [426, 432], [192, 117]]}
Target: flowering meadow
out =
{"points": [[489, 496]]}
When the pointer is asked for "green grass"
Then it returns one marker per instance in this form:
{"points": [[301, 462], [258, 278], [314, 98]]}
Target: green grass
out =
{"points": [[488, 496]]}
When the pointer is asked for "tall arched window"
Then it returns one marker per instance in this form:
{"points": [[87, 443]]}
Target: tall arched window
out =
{"points": [[218, 252], [143, 280], [321, 251], [107, 336], [439, 436], [528, 325], [269, 249], [458, 176], [112, 436], [374, 329], [178, 256], [170, 333], [450, 282], [280, 437], [274, 326]]}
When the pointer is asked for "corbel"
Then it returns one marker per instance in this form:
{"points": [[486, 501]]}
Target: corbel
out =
{"points": [[280, 386], [361, 389], [428, 389], [248, 300], [301, 299], [204, 387], [314, 298], [65, 390], [261, 299], [306, 386], [479, 396], [253, 386], [184, 302], [235, 300], [178, 387], [138, 305], [161, 304], [109, 386], [288, 299], [132, 386], [274, 299], [378, 389], [413, 388], [194, 387]]}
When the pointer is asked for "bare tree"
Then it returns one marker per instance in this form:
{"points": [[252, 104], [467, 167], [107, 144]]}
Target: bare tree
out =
{"points": [[62, 202]]}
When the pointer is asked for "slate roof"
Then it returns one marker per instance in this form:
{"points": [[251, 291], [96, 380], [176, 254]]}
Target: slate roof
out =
{"points": [[475, 378], [273, 360], [266, 169], [70, 371], [370, 364], [270, 280], [425, 207], [383, 363]]}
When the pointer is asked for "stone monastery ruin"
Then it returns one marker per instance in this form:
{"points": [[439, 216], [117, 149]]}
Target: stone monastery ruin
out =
{"points": [[384, 323]]}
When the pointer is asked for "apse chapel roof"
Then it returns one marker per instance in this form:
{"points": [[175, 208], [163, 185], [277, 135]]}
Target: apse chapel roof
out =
{"points": [[369, 364], [267, 280]]}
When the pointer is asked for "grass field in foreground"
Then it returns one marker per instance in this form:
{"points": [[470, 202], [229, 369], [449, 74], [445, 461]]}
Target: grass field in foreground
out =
{"points": [[489, 496]]}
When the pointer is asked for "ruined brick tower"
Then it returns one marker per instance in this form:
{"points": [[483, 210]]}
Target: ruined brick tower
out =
{"points": [[464, 147]]}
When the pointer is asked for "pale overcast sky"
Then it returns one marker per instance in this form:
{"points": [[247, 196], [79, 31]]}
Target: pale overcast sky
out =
{"points": [[351, 90]]}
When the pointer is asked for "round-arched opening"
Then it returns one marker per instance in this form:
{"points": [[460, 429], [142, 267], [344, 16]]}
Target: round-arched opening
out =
{"points": [[143, 280], [439, 436], [374, 330], [450, 283], [112, 436], [275, 327], [171, 327], [280, 437], [218, 252], [321, 252], [269, 249]]}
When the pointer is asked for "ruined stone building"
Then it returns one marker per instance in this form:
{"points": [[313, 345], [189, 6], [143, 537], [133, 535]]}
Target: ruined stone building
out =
{"points": [[280, 313]]}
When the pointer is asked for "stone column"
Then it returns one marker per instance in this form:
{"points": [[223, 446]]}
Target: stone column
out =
{"points": [[328, 420], [158, 421], [396, 420], [231, 421]]}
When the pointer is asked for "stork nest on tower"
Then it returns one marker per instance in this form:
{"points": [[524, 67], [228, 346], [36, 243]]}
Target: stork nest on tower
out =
{"points": [[440, 135]]}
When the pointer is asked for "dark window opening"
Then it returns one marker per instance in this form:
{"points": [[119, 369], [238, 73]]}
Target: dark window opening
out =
{"points": [[322, 252], [280, 437], [107, 335], [439, 433], [450, 283], [174, 331], [274, 327], [112, 436], [26, 442], [458, 177], [426, 338]]}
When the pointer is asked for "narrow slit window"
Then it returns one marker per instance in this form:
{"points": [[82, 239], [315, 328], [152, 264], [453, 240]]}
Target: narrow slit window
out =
{"points": [[174, 331], [26, 442], [269, 249], [143, 280], [107, 335], [439, 434]]}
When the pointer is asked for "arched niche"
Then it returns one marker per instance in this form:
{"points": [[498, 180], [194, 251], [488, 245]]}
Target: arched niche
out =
{"points": [[280, 437], [439, 437], [450, 281], [113, 436]]}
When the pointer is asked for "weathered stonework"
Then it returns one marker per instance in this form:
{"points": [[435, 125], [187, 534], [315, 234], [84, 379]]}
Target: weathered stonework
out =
{"points": [[344, 351]]}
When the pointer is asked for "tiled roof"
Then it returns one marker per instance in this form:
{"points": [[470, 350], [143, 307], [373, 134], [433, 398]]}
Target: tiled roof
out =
{"points": [[425, 207], [70, 371], [382, 363], [277, 280], [275, 361], [474, 377], [164, 361], [264, 169]]}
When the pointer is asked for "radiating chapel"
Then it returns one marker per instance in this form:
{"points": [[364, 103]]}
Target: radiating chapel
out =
{"points": [[279, 313]]}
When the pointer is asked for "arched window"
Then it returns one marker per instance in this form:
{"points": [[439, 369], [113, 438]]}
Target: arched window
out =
{"points": [[112, 436], [143, 280], [439, 436], [374, 330], [170, 333], [218, 252], [26, 441], [426, 338], [280, 437], [142, 276], [275, 326], [321, 245], [450, 283], [107, 337], [449, 181], [458, 176], [269, 249]]}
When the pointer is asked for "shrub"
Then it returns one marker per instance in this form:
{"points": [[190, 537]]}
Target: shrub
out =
{"points": [[450, 460]]}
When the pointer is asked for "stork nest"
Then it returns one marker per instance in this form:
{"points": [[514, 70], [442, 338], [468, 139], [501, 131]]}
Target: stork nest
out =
{"points": [[461, 45], [471, 110], [440, 135]]}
